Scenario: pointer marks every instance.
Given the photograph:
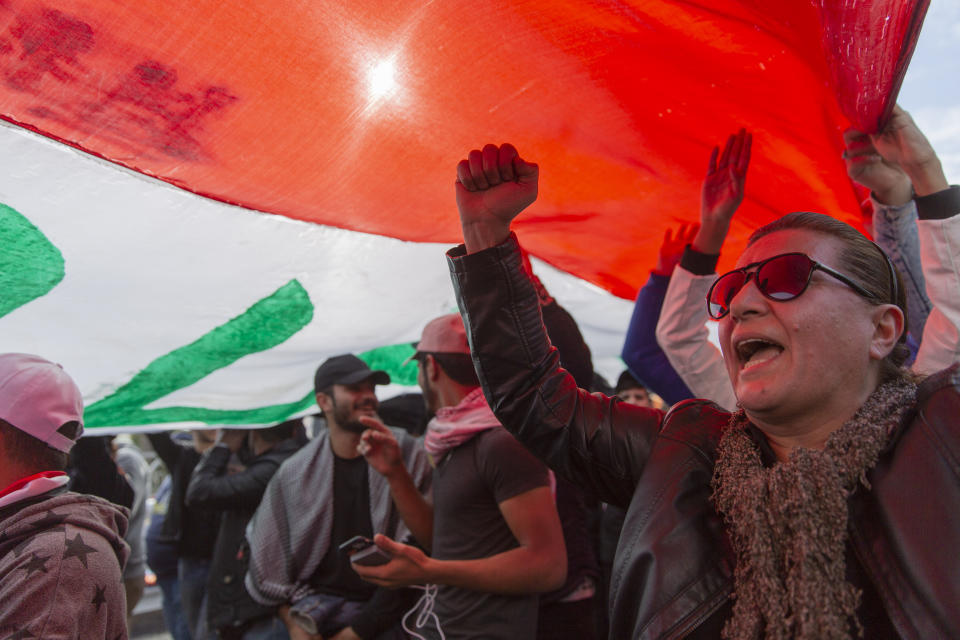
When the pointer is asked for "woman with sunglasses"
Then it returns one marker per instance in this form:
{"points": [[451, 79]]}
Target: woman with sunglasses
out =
{"points": [[825, 507], [876, 163]]}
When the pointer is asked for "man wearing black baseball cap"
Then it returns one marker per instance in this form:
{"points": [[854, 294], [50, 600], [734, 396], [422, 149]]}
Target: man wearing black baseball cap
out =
{"points": [[321, 497], [344, 386]]}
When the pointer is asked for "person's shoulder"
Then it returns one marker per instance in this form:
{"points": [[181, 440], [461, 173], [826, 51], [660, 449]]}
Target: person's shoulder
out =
{"points": [[945, 380], [61, 564], [72, 526], [696, 422], [70, 574], [499, 448], [280, 452], [81, 509], [301, 456], [505, 465], [411, 446], [404, 437], [277, 454], [496, 438], [937, 407]]}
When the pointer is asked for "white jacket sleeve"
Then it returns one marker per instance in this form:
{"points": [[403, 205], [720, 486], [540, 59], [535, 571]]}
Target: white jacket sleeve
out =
{"points": [[683, 336], [940, 257]]}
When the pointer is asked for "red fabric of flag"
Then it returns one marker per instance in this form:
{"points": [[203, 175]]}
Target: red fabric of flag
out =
{"points": [[356, 114]]}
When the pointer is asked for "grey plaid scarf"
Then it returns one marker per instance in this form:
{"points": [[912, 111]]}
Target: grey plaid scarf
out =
{"points": [[290, 532]]}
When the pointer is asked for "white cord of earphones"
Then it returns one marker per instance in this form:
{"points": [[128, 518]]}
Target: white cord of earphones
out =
{"points": [[426, 614]]}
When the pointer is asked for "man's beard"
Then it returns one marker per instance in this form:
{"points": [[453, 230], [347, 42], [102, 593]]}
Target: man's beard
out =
{"points": [[429, 397], [342, 416]]}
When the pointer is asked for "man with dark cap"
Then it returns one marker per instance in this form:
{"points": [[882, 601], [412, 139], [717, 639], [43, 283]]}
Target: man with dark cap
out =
{"points": [[61, 553], [321, 497]]}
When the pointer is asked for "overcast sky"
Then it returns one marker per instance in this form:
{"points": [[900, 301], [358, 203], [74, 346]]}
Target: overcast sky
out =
{"points": [[931, 90]]}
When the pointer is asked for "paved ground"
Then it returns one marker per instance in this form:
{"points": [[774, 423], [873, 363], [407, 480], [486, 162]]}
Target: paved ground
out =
{"points": [[147, 623], [149, 627]]}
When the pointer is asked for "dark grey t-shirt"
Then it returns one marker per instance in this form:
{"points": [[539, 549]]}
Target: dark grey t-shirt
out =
{"points": [[468, 485]]}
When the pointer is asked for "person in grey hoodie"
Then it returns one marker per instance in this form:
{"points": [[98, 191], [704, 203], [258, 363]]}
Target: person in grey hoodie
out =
{"points": [[136, 471], [61, 553]]}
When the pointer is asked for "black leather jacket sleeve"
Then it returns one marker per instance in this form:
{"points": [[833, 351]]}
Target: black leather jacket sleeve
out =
{"points": [[211, 487], [596, 442]]}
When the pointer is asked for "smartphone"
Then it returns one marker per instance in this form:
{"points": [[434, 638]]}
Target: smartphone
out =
{"points": [[364, 552], [354, 544]]}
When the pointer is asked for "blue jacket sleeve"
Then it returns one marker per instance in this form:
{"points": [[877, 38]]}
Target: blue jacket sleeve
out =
{"points": [[641, 353]]}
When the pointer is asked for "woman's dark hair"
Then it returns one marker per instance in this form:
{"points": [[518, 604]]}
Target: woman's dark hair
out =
{"points": [[862, 260]]}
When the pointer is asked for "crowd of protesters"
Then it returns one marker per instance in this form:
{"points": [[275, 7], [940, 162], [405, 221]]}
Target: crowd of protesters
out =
{"points": [[810, 491]]}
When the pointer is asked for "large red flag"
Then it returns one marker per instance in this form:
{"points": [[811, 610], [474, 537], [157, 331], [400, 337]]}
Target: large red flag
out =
{"points": [[355, 114]]}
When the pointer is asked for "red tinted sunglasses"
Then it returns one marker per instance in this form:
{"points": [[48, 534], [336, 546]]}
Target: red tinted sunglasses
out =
{"points": [[780, 278]]}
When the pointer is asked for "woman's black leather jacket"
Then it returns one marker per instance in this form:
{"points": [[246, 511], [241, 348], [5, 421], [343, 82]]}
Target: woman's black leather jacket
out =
{"points": [[673, 568]]}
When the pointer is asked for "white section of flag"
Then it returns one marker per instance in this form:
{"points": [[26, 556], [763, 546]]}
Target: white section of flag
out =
{"points": [[151, 268]]}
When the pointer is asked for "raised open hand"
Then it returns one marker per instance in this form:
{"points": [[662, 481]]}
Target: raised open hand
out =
{"points": [[671, 249], [722, 191], [493, 186]]}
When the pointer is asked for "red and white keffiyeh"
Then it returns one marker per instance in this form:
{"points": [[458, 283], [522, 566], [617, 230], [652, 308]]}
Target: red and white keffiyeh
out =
{"points": [[452, 426]]}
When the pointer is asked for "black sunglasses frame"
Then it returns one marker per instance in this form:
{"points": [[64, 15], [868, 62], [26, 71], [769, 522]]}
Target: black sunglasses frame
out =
{"points": [[757, 266]]}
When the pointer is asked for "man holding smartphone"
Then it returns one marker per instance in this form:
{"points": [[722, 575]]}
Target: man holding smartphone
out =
{"points": [[493, 531], [321, 497]]}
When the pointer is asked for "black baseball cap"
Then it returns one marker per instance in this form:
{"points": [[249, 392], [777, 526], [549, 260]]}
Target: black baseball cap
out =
{"points": [[627, 381], [346, 369]]}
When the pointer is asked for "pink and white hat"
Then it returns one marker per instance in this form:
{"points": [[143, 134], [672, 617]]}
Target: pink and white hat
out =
{"points": [[38, 397]]}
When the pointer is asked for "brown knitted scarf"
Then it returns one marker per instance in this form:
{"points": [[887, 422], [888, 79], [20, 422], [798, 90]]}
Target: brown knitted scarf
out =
{"points": [[788, 523]]}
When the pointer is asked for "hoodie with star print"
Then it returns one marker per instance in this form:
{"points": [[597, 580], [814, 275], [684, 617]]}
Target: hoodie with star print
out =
{"points": [[61, 561]]}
